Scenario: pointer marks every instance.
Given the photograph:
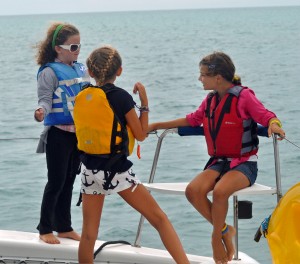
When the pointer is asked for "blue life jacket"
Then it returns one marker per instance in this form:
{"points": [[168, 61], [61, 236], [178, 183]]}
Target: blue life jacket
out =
{"points": [[70, 82]]}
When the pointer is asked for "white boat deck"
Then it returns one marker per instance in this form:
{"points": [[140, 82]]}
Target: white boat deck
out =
{"points": [[27, 248]]}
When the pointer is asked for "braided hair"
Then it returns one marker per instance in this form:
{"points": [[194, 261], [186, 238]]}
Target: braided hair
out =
{"points": [[104, 63]]}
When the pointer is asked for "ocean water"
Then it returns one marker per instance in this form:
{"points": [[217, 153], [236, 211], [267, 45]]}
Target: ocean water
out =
{"points": [[162, 50]]}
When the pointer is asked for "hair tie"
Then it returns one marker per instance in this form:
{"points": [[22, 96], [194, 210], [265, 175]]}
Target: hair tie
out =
{"points": [[58, 28], [236, 78], [211, 66]]}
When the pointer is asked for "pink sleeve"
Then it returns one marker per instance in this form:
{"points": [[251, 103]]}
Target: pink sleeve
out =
{"points": [[196, 118], [250, 107]]}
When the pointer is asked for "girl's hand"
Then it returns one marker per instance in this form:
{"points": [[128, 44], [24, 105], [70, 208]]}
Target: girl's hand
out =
{"points": [[274, 128], [39, 114], [140, 89], [151, 127]]}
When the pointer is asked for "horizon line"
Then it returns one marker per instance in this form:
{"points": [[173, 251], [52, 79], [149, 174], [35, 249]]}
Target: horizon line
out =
{"points": [[149, 10]]}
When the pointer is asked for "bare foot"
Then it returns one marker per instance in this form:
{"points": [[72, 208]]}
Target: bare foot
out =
{"points": [[227, 239], [49, 238], [71, 235], [219, 252]]}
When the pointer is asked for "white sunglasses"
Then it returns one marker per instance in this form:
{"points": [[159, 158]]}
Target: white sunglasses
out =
{"points": [[71, 47]]}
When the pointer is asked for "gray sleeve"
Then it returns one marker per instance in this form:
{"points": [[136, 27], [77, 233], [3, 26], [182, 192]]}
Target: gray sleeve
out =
{"points": [[46, 85]]}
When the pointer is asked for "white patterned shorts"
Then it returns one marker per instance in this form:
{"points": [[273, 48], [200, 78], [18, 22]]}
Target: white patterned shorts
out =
{"points": [[105, 182]]}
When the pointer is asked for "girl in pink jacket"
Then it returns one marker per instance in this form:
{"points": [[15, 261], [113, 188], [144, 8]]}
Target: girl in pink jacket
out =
{"points": [[229, 116]]}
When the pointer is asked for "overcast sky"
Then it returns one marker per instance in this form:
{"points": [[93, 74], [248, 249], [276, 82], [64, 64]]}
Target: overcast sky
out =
{"points": [[17, 7]]}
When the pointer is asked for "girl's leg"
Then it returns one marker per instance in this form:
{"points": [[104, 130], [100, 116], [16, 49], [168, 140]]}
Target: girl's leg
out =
{"points": [[197, 190], [141, 200], [232, 181], [63, 211], [57, 154], [91, 209], [196, 193]]}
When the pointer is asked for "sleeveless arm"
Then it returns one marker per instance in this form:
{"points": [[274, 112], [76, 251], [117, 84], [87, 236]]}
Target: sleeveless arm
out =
{"points": [[138, 125]]}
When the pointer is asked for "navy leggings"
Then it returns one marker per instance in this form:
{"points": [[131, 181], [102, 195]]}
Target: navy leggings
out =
{"points": [[63, 162]]}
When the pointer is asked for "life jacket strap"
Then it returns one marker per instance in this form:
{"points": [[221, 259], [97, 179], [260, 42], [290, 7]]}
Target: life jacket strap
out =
{"points": [[74, 81]]}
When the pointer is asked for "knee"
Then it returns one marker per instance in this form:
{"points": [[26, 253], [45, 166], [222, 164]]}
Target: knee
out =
{"points": [[220, 194], [160, 220], [89, 237], [89, 233], [192, 193], [54, 187]]}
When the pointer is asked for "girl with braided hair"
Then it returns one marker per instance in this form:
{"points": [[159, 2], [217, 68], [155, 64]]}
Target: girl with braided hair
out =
{"points": [[99, 179]]}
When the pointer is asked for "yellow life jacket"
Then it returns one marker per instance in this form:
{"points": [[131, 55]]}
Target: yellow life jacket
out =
{"points": [[98, 129], [283, 230]]}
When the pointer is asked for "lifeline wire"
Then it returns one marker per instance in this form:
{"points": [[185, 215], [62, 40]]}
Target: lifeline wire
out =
{"points": [[152, 132], [17, 138], [291, 142]]}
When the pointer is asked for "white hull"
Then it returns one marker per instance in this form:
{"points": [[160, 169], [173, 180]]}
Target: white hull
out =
{"points": [[24, 247]]}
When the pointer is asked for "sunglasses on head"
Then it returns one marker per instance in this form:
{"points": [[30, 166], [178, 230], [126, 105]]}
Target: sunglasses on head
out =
{"points": [[71, 47]]}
